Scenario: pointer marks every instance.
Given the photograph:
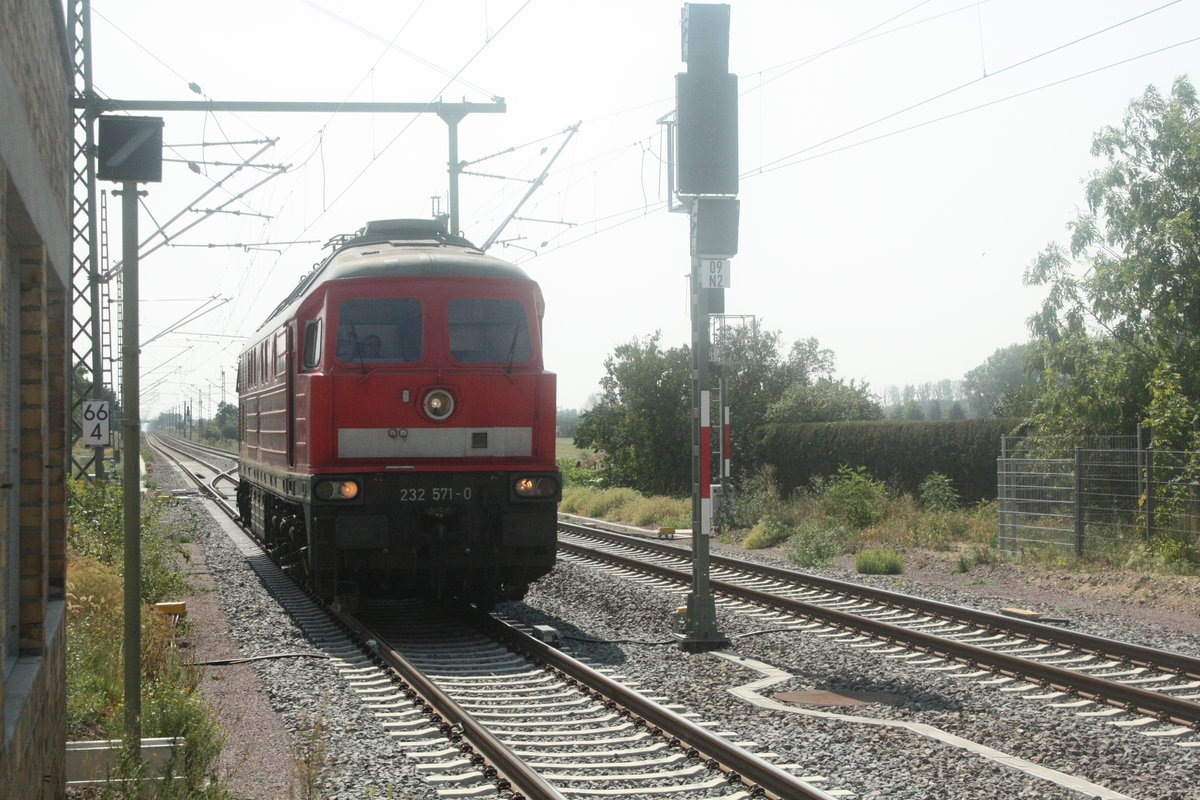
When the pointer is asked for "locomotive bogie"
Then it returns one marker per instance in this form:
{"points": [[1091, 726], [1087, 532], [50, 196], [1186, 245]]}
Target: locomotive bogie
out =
{"points": [[392, 534]]}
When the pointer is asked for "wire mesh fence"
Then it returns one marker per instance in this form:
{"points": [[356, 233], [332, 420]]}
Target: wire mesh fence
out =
{"points": [[1098, 499]]}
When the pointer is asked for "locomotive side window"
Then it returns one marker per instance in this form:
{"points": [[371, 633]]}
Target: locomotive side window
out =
{"points": [[281, 352], [312, 343], [486, 329], [380, 329]]}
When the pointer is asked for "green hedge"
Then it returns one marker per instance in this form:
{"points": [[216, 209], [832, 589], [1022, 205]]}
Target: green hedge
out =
{"points": [[901, 453]]}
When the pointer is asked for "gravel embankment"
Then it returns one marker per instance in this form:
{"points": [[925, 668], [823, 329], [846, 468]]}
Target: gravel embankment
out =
{"points": [[871, 760], [272, 707], [293, 729]]}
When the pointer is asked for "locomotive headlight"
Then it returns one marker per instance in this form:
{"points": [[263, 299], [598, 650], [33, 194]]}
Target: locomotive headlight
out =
{"points": [[535, 486], [336, 490], [439, 404]]}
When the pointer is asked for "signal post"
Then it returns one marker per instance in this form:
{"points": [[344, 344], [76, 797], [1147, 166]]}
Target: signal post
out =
{"points": [[706, 180]]}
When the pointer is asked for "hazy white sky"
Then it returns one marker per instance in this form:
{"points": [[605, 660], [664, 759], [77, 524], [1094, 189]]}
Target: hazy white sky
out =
{"points": [[902, 161]]}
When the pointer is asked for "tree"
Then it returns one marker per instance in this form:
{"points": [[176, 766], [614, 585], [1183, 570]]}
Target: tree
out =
{"points": [[1004, 385], [826, 400], [912, 411], [1117, 333], [756, 374], [749, 359], [567, 422], [642, 419], [226, 420]]}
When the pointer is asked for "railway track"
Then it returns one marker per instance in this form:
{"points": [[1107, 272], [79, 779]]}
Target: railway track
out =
{"points": [[1154, 691], [484, 706]]}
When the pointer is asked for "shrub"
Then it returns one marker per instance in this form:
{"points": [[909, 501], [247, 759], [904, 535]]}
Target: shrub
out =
{"points": [[855, 498], [753, 499], [879, 562], [816, 544], [769, 532], [937, 493], [574, 473]]}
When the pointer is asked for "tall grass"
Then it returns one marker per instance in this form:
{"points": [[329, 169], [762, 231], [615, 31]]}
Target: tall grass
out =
{"points": [[627, 506], [171, 703], [877, 561], [844, 514]]}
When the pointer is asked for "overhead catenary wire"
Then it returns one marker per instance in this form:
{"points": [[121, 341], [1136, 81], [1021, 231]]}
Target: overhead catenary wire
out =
{"points": [[287, 195], [628, 215]]}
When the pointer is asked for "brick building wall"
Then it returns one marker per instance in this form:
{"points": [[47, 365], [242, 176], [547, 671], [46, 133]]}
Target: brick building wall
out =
{"points": [[35, 281]]}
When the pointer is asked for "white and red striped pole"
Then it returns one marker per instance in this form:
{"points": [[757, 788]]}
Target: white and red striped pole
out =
{"points": [[727, 439], [705, 463]]}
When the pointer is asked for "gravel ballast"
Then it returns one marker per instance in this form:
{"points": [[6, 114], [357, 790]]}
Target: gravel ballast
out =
{"points": [[270, 708], [293, 728], [871, 760]]}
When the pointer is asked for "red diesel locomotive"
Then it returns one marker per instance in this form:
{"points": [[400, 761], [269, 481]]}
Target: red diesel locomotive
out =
{"points": [[397, 423]]}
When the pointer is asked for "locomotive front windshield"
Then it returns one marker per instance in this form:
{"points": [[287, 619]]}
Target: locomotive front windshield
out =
{"points": [[487, 329], [380, 329]]}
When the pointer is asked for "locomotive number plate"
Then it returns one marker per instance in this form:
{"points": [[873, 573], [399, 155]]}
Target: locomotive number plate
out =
{"points": [[435, 494]]}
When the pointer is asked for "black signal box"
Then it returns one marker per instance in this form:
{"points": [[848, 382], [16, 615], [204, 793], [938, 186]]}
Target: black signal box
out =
{"points": [[705, 32], [706, 108], [715, 227], [130, 149]]}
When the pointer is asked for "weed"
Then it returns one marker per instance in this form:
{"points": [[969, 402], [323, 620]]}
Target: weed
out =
{"points": [[816, 543], [879, 562], [852, 496], [626, 505], [975, 554], [937, 493], [769, 532], [600, 503], [171, 706], [984, 554], [313, 763], [575, 473], [95, 510], [756, 498]]}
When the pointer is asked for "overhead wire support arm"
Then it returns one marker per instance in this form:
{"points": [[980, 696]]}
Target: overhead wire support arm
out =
{"points": [[450, 113], [100, 105], [571, 131], [547, 221], [490, 175]]}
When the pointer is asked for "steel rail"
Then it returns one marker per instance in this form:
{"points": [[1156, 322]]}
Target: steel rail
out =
{"points": [[1138, 655], [459, 724], [209, 488], [208, 448], [1098, 690], [503, 766], [741, 766]]}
